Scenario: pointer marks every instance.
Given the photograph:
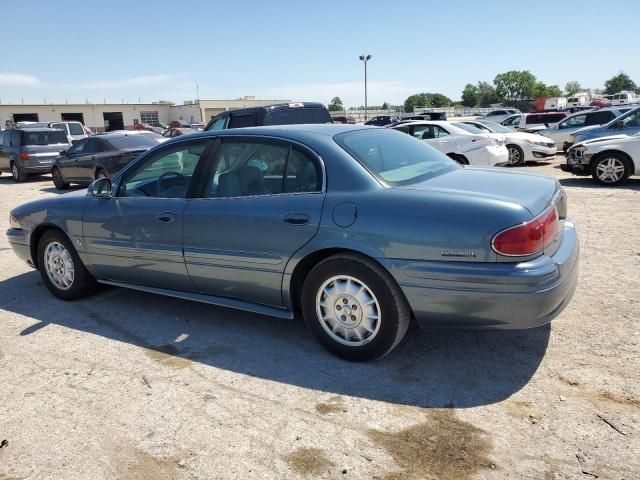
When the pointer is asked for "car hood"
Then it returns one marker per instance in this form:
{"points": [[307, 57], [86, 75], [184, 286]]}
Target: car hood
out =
{"points": [[533, 137], [532, 191], [601, 139]]}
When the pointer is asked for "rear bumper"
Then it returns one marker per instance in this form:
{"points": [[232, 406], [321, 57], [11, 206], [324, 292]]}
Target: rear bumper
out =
{"points": [[491, 295], [19, 241]]}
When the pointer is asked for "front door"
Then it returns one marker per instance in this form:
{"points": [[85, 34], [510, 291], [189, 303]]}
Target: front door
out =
{"points": [[262, 201], [68, 163], [136, 235]]}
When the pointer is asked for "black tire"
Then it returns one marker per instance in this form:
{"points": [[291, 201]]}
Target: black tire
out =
{"points": [[394, 312], [18, 174], [83, 283], [516, 156], [58, 179], [618, 160], [461, 159], [100, 173]]}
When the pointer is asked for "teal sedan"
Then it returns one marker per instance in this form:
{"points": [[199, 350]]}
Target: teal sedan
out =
{"points": [[358, 230]]}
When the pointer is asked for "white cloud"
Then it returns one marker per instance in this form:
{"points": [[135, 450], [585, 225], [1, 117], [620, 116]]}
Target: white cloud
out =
{"points": [[19, 80]]}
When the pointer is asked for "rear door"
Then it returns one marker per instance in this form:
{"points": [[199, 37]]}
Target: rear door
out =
{"points": [[92, 156], [69, 163], [261, 202]]}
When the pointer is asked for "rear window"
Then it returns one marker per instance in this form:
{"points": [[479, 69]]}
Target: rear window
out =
{"points": [[539, 119], [132, 141], [292, 116], [394, 157], [44, 138]]}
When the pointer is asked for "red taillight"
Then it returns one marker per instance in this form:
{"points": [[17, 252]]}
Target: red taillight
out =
{"points": [[24, 156], [529, 237]]}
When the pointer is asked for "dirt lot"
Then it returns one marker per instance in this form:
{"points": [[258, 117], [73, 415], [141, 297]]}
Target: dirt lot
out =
{"points": [[133, 386]]}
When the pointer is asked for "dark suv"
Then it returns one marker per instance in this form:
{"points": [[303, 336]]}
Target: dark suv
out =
{"points": [[26, 151], [280, 114]]}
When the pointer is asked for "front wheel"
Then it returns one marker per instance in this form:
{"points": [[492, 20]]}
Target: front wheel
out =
{"points": [[61, 269], [516, 156], [354, 308], [610, 169]]}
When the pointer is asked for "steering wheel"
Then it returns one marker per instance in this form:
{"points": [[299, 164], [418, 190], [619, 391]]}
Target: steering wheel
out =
{"points": [[182, 180]]}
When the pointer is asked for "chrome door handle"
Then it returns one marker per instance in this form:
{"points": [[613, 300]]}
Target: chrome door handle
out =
{"points": [[296, 219], [166, 217]]}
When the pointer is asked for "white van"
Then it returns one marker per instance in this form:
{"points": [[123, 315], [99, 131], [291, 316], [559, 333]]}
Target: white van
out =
{"points": [[624, 98], [578, 100]]}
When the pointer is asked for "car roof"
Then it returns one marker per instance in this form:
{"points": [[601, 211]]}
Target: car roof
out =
{"points": [[297, 130]]}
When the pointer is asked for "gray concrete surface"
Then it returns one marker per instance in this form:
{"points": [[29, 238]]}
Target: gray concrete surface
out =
{"points": [[129, 385]]}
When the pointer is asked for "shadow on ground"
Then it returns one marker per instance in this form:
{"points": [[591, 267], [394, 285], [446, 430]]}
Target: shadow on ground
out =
{"points": [[588, 182], [429, 369]]}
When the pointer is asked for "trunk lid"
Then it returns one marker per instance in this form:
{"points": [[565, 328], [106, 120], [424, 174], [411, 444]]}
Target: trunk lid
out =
{"points": [[532, 191]]}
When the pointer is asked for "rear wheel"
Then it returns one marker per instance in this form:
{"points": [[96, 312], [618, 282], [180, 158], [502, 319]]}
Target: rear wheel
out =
{"points": [[354, 308], [61, 269], [17, 172], [516, 156], [610, 169], [58, 179]]}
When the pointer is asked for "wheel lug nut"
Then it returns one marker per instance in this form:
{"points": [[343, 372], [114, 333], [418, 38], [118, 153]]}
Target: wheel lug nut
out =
{"points": [[343, 317], [354, 307], [338, 307], [353, 318], [344, 300]]}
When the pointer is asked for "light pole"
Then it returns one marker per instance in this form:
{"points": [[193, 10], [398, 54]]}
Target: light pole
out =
{"points": [[365, 59]]}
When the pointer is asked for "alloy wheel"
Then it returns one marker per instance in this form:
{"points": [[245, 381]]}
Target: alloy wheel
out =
{"points": [[59, 265], [514, 156], [610, 170], [348, 310]]}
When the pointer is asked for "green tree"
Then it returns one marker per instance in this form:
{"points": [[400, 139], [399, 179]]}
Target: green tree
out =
{"points": [[439, 100], [385, 106], [619, 82], [487, 94], [540, 89], [515, 85], [572, 87], [470, 96], [416, 100], [335, 105]]}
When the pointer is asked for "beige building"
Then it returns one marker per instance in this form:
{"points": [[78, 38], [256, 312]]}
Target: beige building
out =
{"points": [[117, 116]]}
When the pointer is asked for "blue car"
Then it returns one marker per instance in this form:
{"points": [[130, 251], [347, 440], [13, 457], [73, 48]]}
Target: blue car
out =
{"points": [[358, 230], [627, 124]]}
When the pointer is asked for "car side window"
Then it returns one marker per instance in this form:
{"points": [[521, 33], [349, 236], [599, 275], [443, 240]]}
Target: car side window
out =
{"points": [[164, 174], [1, 140], [250, 168], [219, 124], [247, 169], [440, 132], [577, 121], [94, 146], [78, 148], [632, 121], [423, 132]]}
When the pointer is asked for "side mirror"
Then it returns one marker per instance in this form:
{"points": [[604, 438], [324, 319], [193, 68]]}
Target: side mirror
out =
{"points": [[620, 124], [100, 188], [64, 153]]}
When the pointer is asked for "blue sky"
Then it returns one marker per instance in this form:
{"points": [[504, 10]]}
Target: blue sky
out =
{"points": [[303, 50]]}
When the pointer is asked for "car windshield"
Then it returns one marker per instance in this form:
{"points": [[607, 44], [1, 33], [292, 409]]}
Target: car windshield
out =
{"points": [[496, 127], [132, 141], [394, 157], [51, 137]]}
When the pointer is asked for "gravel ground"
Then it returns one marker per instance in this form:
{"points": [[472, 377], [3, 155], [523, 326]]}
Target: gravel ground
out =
{"points": [[130, 385]]}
